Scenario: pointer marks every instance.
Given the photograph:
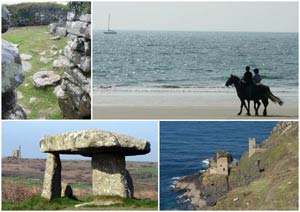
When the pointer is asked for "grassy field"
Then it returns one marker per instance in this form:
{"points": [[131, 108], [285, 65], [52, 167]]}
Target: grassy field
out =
{"points": [[32, 40], [22, 181], [92, 203]]}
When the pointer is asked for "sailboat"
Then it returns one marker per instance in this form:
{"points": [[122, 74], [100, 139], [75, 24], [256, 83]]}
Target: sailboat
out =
{"points": [[109, 31]]}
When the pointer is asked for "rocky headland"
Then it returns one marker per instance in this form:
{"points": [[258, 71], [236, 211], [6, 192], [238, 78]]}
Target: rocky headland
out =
{"points": [[265, 178]]}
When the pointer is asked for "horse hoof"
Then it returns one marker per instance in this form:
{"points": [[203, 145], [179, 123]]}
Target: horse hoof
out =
{"points": [[248, 114], [256, 114], [239, 114]]}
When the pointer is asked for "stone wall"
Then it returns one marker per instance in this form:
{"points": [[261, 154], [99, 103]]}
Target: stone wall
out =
{"points": [[12, 75], [34, 14], [74, 93]]}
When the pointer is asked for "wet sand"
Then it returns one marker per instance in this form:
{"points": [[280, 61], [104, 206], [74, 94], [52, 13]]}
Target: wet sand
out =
{"points": [[183, 105]]}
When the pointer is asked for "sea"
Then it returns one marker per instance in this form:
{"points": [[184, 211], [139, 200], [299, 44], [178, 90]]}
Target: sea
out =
{"points": [[192, 61], [186, 146]]}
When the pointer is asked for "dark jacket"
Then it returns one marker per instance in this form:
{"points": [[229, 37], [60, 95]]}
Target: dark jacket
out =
{"points": [[247, 78]]}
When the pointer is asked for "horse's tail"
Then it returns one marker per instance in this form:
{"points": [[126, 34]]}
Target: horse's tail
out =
{"points": [[274, 98]]}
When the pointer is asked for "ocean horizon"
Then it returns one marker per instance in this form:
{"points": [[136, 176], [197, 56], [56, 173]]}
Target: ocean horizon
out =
{"points": [[192, 61]]}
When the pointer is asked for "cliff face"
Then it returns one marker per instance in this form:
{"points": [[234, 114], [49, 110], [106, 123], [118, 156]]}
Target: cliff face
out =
{"points": [[267, 180]]}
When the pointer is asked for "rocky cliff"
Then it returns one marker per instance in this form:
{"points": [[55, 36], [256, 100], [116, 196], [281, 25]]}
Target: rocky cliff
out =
{"points": [[267, 180]]}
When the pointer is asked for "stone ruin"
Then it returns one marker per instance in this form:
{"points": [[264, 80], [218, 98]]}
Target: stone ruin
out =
{"points": [[220, 163], [107, 150], [253, 148], [12, 75], [16, 153], [74, 92]]}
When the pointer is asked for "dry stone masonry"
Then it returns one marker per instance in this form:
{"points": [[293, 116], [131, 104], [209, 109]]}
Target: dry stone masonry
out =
{"points": [[75, 103], [107, 150], [12, 75]]}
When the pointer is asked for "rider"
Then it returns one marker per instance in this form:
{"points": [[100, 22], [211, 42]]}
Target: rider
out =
{"points": [[256, 78], [247, 81]]}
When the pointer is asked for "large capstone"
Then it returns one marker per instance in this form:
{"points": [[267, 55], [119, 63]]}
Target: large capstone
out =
{"points": [[110, 176], [91, 142], [52, 177]]}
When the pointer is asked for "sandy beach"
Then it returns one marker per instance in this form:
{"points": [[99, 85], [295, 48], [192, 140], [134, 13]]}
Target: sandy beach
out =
{"points": [[110, 104]]}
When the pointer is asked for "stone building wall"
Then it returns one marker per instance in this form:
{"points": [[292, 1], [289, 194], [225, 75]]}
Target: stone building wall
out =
{"points": [[252, 146], [74, 93], [34, 14], [222, 167]]}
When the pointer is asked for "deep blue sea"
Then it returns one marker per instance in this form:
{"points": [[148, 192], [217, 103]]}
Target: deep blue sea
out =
{"points": [[185, 147], [192, 60]]}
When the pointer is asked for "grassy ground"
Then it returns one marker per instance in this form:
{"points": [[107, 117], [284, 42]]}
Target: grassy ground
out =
{"points": [[36, 38], [22, 182], [38, 203]]}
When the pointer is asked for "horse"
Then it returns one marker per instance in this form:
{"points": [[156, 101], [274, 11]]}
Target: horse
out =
{"points": [[259, 92]]}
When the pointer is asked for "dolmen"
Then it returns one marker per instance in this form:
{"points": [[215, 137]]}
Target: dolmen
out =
{"points": [[107, 150]]}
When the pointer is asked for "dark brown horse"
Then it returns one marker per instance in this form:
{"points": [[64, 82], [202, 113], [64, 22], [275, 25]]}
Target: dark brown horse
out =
{"points": [[259, 92]]}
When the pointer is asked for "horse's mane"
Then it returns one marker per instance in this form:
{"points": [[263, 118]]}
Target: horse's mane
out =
{"points": [[235, 76]]}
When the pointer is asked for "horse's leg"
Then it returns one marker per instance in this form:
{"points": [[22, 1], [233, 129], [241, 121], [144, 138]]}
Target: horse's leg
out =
{"points": [[265, 102], [254, 106], [241, 107], [248, 109], [257, 107]]}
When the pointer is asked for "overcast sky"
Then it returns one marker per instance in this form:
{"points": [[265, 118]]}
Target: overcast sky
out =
{"points": [[28, 134], [198, 16]]}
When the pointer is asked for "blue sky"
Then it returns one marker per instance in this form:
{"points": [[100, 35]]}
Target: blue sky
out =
{"points": [[28, 133]]}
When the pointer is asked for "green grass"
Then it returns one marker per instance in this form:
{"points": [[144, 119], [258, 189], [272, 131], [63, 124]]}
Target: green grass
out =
{"points": [[36, 38], [39, 203]]}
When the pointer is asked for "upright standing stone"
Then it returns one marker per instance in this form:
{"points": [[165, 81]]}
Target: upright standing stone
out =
{"points": [[110, 176], [52, 178]]}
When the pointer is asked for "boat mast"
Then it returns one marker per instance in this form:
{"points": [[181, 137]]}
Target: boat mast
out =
{"points": [[108, 22]]}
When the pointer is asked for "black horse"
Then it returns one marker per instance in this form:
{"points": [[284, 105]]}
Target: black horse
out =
{"points": [[259, 92]]}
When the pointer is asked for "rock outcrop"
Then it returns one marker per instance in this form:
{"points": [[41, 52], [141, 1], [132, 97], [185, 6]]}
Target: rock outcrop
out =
{"points": [[35, 14], [76, 101], [107, 150], [12, 75], [5, 19]]}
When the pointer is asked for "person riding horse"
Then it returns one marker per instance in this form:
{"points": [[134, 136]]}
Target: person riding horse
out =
{"points": [[247, 82]]}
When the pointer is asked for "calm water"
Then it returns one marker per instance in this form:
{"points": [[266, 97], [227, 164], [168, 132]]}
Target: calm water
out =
{"points": [[185, 146], [193, 60]]}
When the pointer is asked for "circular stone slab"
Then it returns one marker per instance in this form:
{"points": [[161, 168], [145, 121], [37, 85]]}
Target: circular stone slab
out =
{"points": [[45, 78], [91, 142]]}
